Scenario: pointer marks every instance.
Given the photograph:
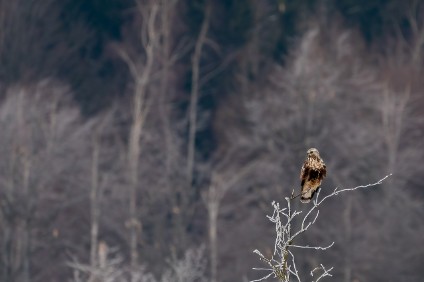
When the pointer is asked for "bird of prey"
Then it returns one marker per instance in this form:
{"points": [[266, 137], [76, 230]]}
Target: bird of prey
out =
{"points": [[312, 173]]}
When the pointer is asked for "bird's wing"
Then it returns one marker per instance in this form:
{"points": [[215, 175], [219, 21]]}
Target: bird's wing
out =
{"points": [[304, 172], [324, 170]]}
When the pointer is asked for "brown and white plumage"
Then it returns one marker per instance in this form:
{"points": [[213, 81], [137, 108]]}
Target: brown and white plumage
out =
{"points": [[312, 173]]}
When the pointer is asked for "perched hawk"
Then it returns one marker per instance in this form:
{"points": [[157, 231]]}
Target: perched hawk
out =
{"points": [[311, 175]]}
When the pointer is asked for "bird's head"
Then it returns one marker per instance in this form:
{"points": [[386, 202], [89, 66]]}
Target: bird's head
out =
{"points": [[312, 152]]}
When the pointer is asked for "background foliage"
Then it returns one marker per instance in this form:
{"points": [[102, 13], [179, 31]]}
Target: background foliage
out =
{"points": [[270, 79]]}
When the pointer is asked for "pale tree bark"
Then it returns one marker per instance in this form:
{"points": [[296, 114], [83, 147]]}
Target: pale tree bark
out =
{"points": [[214, 197], [95, 191], [36, 133], [142, 74], [171, 155], [18, 205], [23, 239], [393, 115], [26, 224], [404, 56], [223, 179], [165, 80], [347, 221], [94, 203], [194, 94]]}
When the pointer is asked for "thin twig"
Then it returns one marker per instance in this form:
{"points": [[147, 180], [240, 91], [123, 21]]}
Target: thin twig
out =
{"points": [[285, 265]]}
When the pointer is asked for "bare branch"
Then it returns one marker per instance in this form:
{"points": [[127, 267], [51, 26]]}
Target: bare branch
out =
{"points": [[285, 266]]}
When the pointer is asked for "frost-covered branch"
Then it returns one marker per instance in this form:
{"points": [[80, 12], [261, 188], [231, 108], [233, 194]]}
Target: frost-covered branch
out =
{"points": [[282, 264], [190, 268], [325, 272]]}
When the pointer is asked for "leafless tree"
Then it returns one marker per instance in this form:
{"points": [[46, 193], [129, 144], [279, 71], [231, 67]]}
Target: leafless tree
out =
{"points": [[321, 92], [155, 145], [39, 124], [191, 268], [284, 266], [224, 176], [141, 71], [96, 187], [194, 94]]}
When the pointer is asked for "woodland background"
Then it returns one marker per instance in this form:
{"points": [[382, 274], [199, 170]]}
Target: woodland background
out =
{"points": [[152, 135]]}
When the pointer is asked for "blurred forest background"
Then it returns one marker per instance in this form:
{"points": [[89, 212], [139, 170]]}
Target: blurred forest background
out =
{"points": [[146, 139]]}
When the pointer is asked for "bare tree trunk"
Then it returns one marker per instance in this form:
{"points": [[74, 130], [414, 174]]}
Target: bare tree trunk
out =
{"points": [[219, 186], [94, 207], [393, 114], [164, 83], [347, 218], [213, 207], [141, 74], [395, 102], [23, 226], [8, 218], [194, 95], [26, 219], [167, 10], [6, 253], [133, 158]]}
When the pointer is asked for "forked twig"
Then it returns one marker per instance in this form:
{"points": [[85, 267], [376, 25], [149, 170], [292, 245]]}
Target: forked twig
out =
{"points": [[282, 264]]}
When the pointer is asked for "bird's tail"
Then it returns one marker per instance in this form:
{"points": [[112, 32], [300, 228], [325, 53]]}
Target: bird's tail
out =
{"points": [[305, 199], [308, 195]]}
